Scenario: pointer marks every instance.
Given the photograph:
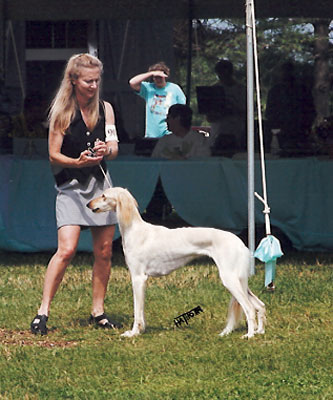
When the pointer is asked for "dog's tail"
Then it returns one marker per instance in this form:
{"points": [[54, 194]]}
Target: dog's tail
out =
{"points": [[235, 313]]}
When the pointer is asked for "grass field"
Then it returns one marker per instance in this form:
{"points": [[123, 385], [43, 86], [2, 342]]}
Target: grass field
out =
{"points": [[293, 360]]}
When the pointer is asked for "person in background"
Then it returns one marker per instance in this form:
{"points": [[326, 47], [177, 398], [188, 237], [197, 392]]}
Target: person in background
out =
{"points": [[183, 143], [6, 119], [159, 95], [31, 123], [82, 135], [290, 109], [228, 124]]}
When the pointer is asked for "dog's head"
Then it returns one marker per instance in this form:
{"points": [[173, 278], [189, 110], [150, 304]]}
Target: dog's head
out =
{"points": [[106, 202], [115, 199]]}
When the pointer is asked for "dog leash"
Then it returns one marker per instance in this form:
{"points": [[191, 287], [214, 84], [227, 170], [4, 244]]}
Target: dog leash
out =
{"points": [[105, 176], [92, 151]]}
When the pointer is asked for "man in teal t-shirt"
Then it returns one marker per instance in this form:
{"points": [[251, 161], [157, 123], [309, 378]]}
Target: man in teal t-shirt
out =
{"points": [[159, 96]]}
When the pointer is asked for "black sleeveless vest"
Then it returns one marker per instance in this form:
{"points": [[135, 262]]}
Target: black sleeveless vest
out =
{"points": [[77, 139]]}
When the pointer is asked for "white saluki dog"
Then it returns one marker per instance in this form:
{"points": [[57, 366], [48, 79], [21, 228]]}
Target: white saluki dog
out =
{"points": [[152, 250]]}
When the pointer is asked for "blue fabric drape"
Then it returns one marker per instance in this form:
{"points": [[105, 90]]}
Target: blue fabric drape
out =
{"points": [[210, 192]]}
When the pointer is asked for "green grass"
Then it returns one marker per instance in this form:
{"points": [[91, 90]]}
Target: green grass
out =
{"points": [[293, 360]]}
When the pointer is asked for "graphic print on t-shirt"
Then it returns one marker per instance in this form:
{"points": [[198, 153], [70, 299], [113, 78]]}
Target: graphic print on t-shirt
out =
{"points": [[160, 103]]}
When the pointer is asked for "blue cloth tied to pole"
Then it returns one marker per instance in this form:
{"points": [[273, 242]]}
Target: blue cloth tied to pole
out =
{"points": [[268, 250]]}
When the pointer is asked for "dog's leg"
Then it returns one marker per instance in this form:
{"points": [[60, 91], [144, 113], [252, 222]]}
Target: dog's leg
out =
{"points": [[261, 311], [234, 316], [139, 287], [234, 278], [235, 288]]}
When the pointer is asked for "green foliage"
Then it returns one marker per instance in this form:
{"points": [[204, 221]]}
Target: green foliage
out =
{"points": [[77, 361], [278, 40]]}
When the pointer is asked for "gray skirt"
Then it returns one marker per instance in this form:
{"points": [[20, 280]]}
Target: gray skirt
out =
{"points": [[71, 204]]}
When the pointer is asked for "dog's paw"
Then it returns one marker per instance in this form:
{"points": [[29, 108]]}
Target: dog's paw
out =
{"points": [[248, 336], [225, 332], [130, 334]]}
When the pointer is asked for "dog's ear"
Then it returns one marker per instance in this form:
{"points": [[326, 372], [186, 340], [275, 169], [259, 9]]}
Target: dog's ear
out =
{"points": [[125, 207], [133, 200]]}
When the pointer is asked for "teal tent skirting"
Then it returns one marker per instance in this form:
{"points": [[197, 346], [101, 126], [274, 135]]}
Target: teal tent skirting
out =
{"points": [[204, 192]]}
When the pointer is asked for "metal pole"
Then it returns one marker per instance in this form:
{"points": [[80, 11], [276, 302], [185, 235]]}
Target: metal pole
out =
{"points": [[250, 133], [17, 59], [122, 54], [92, 38], [2, 40], [189, 54]]}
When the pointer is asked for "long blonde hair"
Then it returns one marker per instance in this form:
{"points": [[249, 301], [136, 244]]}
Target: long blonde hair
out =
{"points": [[64, 105]]}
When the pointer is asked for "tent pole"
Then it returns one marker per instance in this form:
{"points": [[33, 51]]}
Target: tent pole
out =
{"points": [[92, 38], [122, 55], [2, 40], [250, 132], [189, 54], [18, 65]]}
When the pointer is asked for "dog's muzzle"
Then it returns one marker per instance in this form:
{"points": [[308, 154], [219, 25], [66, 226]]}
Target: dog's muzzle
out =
{"points": [[95, 209]]}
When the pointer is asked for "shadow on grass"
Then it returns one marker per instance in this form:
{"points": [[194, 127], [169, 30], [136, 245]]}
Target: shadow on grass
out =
{"points": [[118, 319]]}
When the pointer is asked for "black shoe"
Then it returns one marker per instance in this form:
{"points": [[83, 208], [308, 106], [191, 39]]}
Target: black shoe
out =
{"points": [[107, 324], [38, 324]]}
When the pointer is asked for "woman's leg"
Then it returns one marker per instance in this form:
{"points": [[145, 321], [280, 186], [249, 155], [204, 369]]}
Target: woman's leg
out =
{"points": [[102, 244], [68, 237]]}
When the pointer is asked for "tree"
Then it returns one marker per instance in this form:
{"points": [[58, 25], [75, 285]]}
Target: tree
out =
{"points": [[278, 40], [321, 87]]}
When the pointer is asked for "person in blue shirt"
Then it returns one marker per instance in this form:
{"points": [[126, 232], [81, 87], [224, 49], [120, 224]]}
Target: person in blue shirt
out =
{"points": [[159, 95]]}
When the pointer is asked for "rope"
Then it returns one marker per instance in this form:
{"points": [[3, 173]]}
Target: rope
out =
{"points": [[261, 140]]}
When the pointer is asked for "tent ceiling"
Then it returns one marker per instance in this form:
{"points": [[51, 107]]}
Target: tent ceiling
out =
{"points": [[145, 9]]}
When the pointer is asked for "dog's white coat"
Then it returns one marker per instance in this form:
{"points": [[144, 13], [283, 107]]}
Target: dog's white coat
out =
{"points": [[152, 250]]}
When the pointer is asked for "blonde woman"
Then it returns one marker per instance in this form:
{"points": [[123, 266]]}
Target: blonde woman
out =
{"points": [[82, 135]]}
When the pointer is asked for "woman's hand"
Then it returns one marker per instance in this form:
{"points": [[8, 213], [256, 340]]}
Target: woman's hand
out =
{"points": [[89, 158], [100, 148]]}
